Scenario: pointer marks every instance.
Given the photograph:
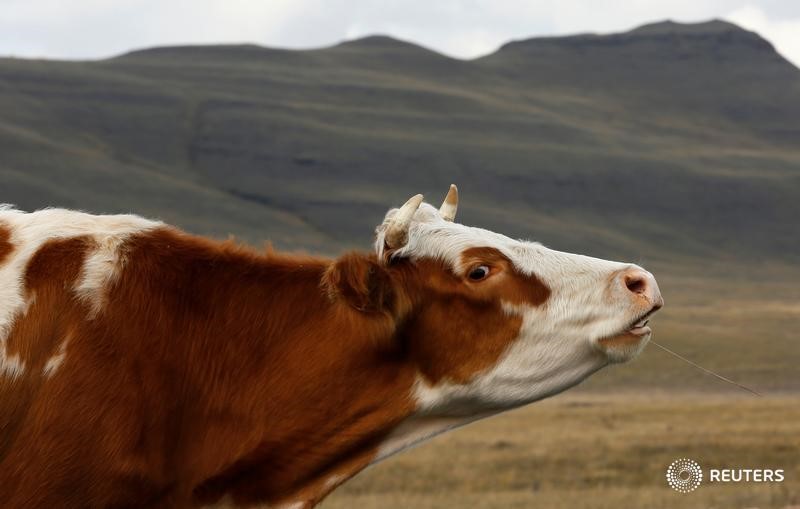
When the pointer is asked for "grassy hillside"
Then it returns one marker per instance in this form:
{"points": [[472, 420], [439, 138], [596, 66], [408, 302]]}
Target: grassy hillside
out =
{"points": [[594, 452], [669, 140]]}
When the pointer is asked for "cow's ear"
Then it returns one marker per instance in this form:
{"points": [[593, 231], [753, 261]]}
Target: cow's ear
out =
{"points": [[359, 280]]}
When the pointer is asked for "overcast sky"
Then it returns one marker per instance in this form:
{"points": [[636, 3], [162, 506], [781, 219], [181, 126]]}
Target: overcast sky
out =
{"points": [[460, 28]]}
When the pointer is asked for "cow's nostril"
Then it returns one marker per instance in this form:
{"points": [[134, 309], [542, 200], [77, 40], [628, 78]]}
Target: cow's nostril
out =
{"points": [[636, 283], [642, 284]]}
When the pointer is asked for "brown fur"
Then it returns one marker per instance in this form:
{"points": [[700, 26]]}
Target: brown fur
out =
{"points": [[6, 247], [506, 282], [49, 319], [214, 370], [458, 328]]}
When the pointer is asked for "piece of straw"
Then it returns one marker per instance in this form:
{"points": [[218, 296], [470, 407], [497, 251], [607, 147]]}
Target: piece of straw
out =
{"points": [[706, 370]]}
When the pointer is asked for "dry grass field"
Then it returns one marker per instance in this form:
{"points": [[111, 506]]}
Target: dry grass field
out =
{"points": [[582, 450]]}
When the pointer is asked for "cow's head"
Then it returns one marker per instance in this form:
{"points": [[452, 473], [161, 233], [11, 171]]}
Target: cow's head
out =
{"points": [[491, 322]]}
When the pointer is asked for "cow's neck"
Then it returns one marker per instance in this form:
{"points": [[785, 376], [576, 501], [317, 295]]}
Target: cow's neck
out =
{"points": [[319, 409]]}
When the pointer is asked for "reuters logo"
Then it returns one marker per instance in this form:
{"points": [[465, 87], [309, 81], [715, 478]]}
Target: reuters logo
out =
{"points": [[684, 475]]}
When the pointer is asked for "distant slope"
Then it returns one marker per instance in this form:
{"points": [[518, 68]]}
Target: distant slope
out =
{"points": [[669, 143], [714, 70]]}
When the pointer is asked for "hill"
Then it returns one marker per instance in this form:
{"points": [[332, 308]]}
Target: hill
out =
{"points": [[666, 141]]}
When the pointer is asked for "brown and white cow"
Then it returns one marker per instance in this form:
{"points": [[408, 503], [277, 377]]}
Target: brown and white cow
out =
{"points": [[144, 367]]}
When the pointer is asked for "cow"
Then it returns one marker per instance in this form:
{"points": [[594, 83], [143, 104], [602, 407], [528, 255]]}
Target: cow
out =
{"points": [[141, 366]]}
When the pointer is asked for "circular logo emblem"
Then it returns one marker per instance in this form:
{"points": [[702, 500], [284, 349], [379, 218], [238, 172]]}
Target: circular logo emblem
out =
{"points": [[684, 475]]}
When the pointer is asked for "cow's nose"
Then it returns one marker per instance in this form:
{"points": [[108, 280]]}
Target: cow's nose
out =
{"points": [[643, 285]]}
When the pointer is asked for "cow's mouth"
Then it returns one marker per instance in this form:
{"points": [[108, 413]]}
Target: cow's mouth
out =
{"points": [[632, 333], [639, 328]]}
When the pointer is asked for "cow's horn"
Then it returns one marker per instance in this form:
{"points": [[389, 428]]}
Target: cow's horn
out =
{"points": [[450, 204], [397, 231]]}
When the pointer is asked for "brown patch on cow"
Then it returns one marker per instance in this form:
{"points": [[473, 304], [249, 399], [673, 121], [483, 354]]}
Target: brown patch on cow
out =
{"points": [[35, 336], [6, 247], [505, 281], [455, 338], [57, 263], [47, 285], [458, 327]]}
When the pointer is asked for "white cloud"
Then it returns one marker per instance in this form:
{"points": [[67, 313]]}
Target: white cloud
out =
{"points": [[461, 28], [783, 33], [97, 28]]}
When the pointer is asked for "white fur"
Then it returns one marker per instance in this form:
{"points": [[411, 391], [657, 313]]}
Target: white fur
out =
{"points": [[29, 231], [334, 481], [10, 365], [557, 346], [55, 362], [100, 269], [291, 505]]}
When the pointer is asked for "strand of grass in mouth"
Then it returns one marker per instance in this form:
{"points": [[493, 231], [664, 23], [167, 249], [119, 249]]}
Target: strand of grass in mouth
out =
{"points": [[701, 368]]}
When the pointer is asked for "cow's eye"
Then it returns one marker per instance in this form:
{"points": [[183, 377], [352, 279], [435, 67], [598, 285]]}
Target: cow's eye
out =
{"points": [[479, 272]]}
